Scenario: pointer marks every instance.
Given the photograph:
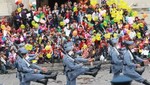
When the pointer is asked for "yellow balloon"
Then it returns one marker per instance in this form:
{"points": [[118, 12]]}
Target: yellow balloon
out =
{"points": [[141, 25], [40, 40], [104, 15], [95, 18], [28, 47], [134, 25], [135, 13], [34, 61], [36, 25], [62, 23], [115, 35], [84, 46], [93, 2], [107, 36], [3, 27], [89, 17], [128, 31], [22, 26], [75, 9], [49, 55], [98, 37], [47, 47], [19, 9], [139, 35], [93, 38]]}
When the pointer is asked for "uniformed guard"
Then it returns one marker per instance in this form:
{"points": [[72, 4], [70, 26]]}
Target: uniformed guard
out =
{"points": [[130, 65], [73, 67], [27, 73], [116, 61]]}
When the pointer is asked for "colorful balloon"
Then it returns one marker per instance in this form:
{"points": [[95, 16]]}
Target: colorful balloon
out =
{"points": [[75, 33], [49, 55], [89, 17], [22, 26], [93, 2], [95, 18], [33, 22], [3, 27], [98, 36], [62, 23], [105, 23], [28, 47], [19, 9], [47, 47], [75, 9], [36, 25], [145, 15]]}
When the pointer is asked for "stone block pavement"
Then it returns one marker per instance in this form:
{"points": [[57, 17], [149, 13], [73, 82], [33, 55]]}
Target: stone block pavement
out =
{"points": [[103, 77]]}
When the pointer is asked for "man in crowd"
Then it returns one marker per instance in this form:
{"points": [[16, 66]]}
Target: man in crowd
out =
{"points": [[3, 63]]}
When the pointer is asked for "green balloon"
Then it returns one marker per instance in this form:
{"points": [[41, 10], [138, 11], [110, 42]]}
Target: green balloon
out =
{"points": [[105, 23], [33, 22]]}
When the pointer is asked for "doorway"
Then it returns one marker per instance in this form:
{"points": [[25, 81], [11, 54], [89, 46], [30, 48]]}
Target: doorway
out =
{"points": [[52, 2]]}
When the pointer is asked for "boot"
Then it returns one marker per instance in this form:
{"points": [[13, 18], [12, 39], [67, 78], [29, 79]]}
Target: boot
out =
{"points": [[96, 67], [43, 81], [52, 76], [47, 73], [92, 72], [146, 82]]}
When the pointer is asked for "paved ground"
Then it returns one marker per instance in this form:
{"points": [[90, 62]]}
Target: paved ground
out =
{"points": [[103, 77]]}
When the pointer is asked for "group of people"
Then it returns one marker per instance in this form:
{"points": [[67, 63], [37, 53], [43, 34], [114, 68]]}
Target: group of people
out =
{"points": [[74, 32]]}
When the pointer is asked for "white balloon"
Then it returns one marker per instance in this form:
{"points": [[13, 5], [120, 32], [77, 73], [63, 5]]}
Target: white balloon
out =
{"points": [[67, 21]]}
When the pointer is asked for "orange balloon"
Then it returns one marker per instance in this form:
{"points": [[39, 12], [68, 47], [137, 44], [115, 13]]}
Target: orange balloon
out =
{"points": [[145, 15], [127, 26], [30, 5], [75, 33], [19, 1]]}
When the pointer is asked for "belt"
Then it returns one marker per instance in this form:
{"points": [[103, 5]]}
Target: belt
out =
{"points": [[115, 64]]}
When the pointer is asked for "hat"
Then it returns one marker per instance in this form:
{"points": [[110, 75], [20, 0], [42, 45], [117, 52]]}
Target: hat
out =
{"points": [[21, 44], [114, 40], [23, 50], [68, 46], [129, 42], [121, 80]]}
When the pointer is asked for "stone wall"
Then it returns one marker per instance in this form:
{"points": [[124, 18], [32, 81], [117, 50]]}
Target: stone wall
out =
{"points": [[7, 6]]}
